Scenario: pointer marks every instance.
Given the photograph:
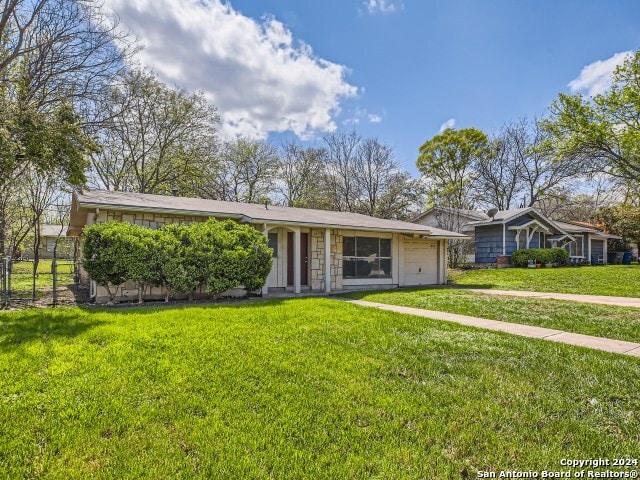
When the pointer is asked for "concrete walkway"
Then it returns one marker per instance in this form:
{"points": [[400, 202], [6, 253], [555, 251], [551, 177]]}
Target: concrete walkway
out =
{"points": [[597, 299], [597, 343]]}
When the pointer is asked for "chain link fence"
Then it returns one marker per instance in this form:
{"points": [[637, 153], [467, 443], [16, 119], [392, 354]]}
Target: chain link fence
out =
{"points": [[52, 283]]}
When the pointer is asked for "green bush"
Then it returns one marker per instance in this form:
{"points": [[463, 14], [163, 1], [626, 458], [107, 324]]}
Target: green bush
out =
{"points": [[220, 255], [107, 254], [520, 258]]}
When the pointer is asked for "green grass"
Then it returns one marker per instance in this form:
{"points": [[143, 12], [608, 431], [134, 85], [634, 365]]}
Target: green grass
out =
{"points": [[599, 320], [22, 278], [615, 280], [305, 388]]}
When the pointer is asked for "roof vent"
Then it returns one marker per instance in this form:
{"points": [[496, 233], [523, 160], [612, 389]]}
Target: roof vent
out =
{"points": [[492, 213], [174, 191]]}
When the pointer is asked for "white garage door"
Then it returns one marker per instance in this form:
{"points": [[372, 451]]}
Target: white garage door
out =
{"points": [[420, 262]]}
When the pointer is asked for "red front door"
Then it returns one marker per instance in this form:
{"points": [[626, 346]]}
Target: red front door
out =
{"points": [[304, 258]]}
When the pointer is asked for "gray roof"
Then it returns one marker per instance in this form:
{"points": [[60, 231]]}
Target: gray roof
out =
{"points": [[472, 214], [53, 231], [505, 215], [248, 212], [572, 228], [577, 228]]}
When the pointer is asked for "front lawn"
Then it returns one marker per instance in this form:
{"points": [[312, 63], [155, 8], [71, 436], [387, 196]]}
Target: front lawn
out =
{"points": [[615, 280], [305, 388], [599, 320]]}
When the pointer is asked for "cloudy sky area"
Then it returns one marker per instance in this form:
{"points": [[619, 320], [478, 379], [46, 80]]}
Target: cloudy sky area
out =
{"points": [[402, 70]]}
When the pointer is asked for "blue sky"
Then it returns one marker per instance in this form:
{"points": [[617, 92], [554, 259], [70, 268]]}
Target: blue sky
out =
{"points": [[393, 69]]}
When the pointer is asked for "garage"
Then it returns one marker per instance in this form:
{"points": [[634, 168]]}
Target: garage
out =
{"points": [[420, 262]]}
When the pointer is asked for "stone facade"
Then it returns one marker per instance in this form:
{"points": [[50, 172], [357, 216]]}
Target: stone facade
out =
{"points": [[317, 259], [150, 220]]}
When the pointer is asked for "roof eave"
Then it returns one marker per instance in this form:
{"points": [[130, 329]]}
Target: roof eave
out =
{"points": [[247, 219]]}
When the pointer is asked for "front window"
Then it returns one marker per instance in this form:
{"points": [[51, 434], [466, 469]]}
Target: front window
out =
{"points": [[366, 257], [576, 248], [273, 243]]}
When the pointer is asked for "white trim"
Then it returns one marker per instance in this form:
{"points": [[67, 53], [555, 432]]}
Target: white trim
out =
{"points": [[265, 287], [367, 281]]}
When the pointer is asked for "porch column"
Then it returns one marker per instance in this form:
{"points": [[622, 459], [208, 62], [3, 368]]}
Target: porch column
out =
{"points": [[296, 260], [504, 239], [327, 260], [604, 251], [265, 288]]}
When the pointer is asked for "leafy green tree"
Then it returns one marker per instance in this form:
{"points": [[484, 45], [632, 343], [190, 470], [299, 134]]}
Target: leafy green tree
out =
{"points": [[447, 163], [603, 130], [622, 220]]}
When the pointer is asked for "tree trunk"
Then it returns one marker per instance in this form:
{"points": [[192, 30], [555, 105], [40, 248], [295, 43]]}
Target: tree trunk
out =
{"points": [[140, 292], [111, 295]]}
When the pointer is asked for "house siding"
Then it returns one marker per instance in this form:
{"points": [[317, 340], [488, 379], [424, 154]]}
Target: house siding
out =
{"points": [[489, 243]]}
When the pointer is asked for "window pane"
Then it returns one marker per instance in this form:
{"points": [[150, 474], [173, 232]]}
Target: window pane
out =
{"points": [[349, 246], [363, 268], [385, 247], [367, 246], [273, 243], [385, 268], [349, 268]]}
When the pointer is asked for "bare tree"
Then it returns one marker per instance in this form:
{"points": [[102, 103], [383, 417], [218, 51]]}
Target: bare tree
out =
{"points": [[340, 180], [544, 173], [67, 49], [500, 172], [384, 189], [299, 176], [156, 136], [245, 172]]}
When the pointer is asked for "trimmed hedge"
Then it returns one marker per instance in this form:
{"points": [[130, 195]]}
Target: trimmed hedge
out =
{"points": [[520, 258], [181, 258]]}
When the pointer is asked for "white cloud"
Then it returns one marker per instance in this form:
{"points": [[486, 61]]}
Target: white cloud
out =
{"points": [[451, 123], [595, 78], [261, 79], [360, 114], [383, 6]]}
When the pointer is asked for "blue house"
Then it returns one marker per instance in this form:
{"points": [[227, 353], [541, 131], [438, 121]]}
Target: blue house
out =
{"points": [[511, 230]]}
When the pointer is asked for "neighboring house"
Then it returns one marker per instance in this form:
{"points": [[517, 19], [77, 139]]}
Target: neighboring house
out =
{"points": [[511, 230], [455, 220], [314, 250], [53, 239]]}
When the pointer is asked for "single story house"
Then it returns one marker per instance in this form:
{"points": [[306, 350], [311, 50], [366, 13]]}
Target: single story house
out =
{"points": [[313, 250], [53, 240], [455, 220], [511, 230]]}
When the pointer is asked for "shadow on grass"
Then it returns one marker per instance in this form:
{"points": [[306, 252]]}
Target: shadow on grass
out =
{"points": [[17, 329], [359, 294], [152, 307]]}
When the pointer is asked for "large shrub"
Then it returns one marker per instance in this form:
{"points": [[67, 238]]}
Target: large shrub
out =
{"points": [[232, 255], [520, 258], [107, 255], [220, 255]]}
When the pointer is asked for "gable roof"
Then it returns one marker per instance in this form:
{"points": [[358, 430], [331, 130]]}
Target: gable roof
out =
{"points": [[584, 227], [504, 216], [471, 214], [244, 212]]}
